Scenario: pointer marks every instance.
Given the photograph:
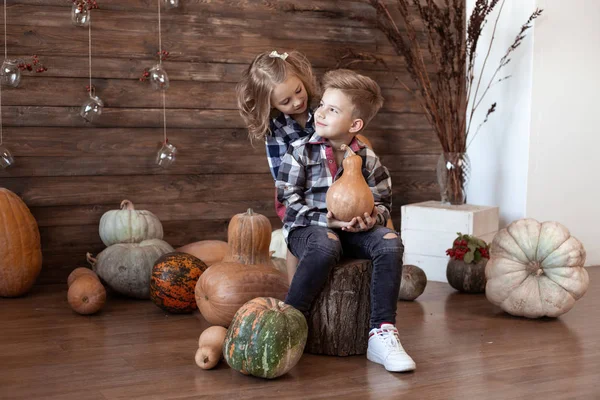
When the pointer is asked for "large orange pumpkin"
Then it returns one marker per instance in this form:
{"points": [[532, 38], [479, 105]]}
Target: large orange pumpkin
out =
{"points": [[173, 281], [20, 247], [227, 286]]}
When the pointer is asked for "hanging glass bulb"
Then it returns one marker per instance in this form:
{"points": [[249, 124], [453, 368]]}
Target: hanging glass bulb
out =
{"points": [[171, 3], [91, 109], [80, 13], [166, 155], [159, 78], [11, 74], [6, 158]]}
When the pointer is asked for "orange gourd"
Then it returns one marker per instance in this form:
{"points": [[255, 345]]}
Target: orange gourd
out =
{"points": [[350, 196], [20, 247], [210, 347], [249, 237], [86, 295], [78, 272]]}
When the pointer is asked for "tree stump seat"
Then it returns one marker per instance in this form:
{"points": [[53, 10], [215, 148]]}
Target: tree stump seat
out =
{"points": [[338, 322]]}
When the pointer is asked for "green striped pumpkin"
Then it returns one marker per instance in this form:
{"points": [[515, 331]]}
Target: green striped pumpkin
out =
{"points": [[266, 338]]}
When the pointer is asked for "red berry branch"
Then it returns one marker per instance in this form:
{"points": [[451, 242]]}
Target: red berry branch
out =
{"points": [[469, 249], [162, 55], [34, 64]]}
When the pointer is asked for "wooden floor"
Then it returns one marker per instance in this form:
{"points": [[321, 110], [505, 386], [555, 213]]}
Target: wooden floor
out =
{"points": [[464, 348]]}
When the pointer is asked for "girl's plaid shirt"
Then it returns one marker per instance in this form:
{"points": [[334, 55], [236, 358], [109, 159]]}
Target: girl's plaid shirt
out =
{"points": [[284, 130], [309, 169]]}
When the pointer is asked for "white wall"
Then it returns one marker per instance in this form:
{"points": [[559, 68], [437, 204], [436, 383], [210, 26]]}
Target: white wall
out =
{"points": [[564, 159], [499, 153]]}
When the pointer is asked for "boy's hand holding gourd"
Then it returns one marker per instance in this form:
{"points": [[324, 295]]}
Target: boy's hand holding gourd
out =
{"points": [[357, 224]]}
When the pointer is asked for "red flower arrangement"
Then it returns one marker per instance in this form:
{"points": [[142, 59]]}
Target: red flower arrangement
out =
{"points": [[469, 249]]}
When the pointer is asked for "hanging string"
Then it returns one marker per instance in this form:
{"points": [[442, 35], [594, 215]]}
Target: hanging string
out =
{"points": [[159, 36], [89, 52], [5, 53], [5, 47], [1, 110], [164, 100]]}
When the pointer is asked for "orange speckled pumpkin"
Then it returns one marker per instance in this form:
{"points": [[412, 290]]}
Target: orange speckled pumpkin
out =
{"points": [[20, 247], [173, 282]]}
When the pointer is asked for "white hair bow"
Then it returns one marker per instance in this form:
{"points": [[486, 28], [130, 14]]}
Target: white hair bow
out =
{"points": [[275, 54]]}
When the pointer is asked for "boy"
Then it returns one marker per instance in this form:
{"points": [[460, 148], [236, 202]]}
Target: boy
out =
{"points": [[313, 234]]}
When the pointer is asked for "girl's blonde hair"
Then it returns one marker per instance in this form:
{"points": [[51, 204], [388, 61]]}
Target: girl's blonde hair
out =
{"points": [[255, 88]]}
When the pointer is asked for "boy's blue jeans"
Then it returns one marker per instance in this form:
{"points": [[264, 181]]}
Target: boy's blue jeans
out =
{"points": [[319, 249]]}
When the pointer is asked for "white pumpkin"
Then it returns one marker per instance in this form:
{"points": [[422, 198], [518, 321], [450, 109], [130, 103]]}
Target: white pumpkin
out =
{"points": [[536, 270], [129, 225], [278, 247], [127, 267]]}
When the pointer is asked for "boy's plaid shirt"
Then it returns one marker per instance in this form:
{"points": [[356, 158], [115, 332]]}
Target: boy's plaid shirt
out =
{"points": [[285, 130], [308, 170]]}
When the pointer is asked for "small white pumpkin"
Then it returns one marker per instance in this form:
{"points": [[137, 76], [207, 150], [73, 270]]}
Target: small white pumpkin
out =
{"points": [[278, 247], [536, 270], [129, 225], [127, 267]]}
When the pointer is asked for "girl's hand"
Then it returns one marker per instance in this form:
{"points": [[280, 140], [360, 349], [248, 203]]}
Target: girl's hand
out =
{"points": [[360, 225], [337, 224]]}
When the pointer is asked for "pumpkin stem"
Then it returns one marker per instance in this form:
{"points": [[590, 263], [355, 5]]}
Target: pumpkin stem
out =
{"points": [[91, 260], [250, 212], [348, 149], [127, 205]]}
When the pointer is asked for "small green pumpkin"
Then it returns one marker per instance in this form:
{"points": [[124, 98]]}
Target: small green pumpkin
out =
{"points": [[266, 338]]}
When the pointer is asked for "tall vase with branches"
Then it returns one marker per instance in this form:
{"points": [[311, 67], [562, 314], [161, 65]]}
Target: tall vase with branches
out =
{"points": [[451, 94]]}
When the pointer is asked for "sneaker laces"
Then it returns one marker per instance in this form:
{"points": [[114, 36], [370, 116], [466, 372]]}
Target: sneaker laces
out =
{"points": [[391, 339]]}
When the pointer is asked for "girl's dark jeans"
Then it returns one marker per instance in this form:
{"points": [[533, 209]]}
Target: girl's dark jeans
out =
{"points": [[319, 249]]}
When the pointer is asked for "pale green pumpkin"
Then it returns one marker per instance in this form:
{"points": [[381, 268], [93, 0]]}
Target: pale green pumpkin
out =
{"points": [[127, 267], [129, 225], [536, 269]]}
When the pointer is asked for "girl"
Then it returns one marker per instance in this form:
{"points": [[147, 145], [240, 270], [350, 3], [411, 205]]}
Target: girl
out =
{"points": [[274, 99]]}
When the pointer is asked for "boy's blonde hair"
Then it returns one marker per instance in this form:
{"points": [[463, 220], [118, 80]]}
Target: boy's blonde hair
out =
{"points": [[363, 92], [255, 88]]}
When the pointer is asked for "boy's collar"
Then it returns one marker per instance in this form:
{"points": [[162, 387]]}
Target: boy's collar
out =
{"points": [[355, 144]]}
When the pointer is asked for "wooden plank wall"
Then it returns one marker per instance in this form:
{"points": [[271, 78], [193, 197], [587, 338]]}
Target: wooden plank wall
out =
{"points": [[69, 172]]}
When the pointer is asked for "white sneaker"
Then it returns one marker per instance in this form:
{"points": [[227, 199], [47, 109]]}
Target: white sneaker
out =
{"points": [[385, 349]]}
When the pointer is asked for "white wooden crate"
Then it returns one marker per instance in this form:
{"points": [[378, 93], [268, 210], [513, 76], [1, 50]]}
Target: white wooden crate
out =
{"points": [[429, 228]]}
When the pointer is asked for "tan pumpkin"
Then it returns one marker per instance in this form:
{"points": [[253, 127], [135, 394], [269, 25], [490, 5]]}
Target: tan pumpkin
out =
{"points": [[129, 225], [86, 295], [20, 247], [127, 267], [224, 287], [413, 283], [77, 272], [536, 269], [210, 347], [209, 251], [350, 195], [249, 237]]}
